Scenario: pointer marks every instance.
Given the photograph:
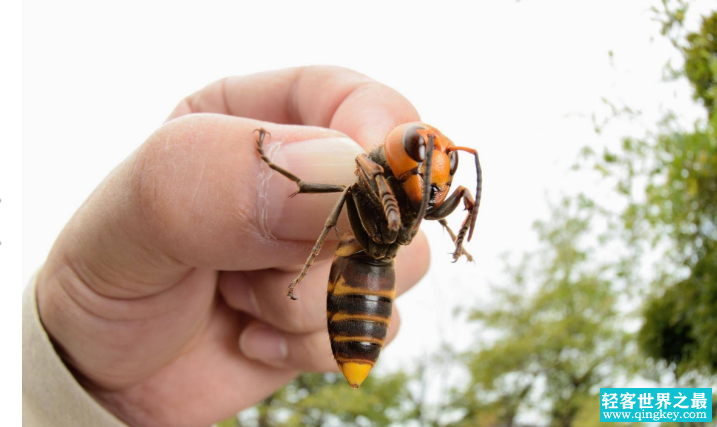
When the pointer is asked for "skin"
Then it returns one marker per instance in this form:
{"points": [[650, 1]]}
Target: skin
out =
{"points": [[165, 292]]}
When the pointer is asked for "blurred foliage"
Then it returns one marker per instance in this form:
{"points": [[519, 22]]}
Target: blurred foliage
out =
{"points": [[558, 324], [681, 325], [670, 181], [671, 16], [326, 399], [701, 62], [560, 332]]}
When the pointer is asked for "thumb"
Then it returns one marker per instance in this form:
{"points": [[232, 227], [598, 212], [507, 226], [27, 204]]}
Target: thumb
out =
{"points": [[323, 160], [197, 194]]}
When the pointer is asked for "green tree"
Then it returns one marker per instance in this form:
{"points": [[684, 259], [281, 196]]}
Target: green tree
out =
{"points": [[701, 62], [678, 209], [325, 399], [681, 324], [560, 333]]}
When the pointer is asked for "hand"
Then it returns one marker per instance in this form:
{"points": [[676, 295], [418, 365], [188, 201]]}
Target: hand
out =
{"points": [[165, 293]]}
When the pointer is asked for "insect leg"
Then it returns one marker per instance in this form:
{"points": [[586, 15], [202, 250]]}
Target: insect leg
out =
{"points": [[444, 223], [450, 205], [372, 171], [389, 203], [330, 223], [479, 185], [304, 187]]}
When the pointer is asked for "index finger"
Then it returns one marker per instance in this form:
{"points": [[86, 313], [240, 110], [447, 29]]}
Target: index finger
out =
{"points": [[325, 96]]}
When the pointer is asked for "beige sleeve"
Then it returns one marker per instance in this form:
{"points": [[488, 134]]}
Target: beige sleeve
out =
{"points": [[50, 394]]}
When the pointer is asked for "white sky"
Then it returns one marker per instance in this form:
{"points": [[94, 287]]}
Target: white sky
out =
{"points": [[516, 80]]}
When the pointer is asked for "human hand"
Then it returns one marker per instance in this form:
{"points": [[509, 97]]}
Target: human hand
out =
{"points": [[165, 293]]}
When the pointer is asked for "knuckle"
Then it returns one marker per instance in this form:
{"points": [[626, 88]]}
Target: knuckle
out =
{"points": [[301, 316], [333, 69], [157, 165]]}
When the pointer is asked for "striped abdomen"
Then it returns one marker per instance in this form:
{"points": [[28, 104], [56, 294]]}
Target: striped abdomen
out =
{"points": [[359, 302]]}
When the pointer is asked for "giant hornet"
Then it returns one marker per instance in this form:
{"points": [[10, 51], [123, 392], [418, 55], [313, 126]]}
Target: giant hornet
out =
{"points": [[399, 184]]}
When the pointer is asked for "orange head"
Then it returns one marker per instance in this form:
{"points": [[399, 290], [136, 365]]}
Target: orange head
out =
{"points": [[406, 151]]}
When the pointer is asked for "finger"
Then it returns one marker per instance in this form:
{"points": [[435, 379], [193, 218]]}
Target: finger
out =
{"points": [[335, 97], [263, 294], [211, 376], [306, 352], [197, 194]]}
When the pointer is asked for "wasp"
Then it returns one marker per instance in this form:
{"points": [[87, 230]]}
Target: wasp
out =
{"points": [[400, 183]]}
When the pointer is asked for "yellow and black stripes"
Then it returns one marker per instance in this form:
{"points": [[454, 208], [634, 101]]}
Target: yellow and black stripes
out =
{"points": [[359, 303], [360, 333]]}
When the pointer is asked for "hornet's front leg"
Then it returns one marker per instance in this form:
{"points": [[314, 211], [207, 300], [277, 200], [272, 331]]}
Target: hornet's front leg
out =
{"points": [[372, 173], [304, 187], [330, 223], [450, 205], [444, 223]]}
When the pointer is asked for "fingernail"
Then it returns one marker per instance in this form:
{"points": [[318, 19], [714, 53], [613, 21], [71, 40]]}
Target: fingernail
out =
{"points": [[262, 342], [326, 160]]}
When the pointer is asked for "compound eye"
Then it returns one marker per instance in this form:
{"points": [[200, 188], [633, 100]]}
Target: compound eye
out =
{"points": [[414, 144], [454, 162]]}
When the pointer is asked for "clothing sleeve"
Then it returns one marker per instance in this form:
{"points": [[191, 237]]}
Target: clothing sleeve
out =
{"points": [[50, 394]]}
